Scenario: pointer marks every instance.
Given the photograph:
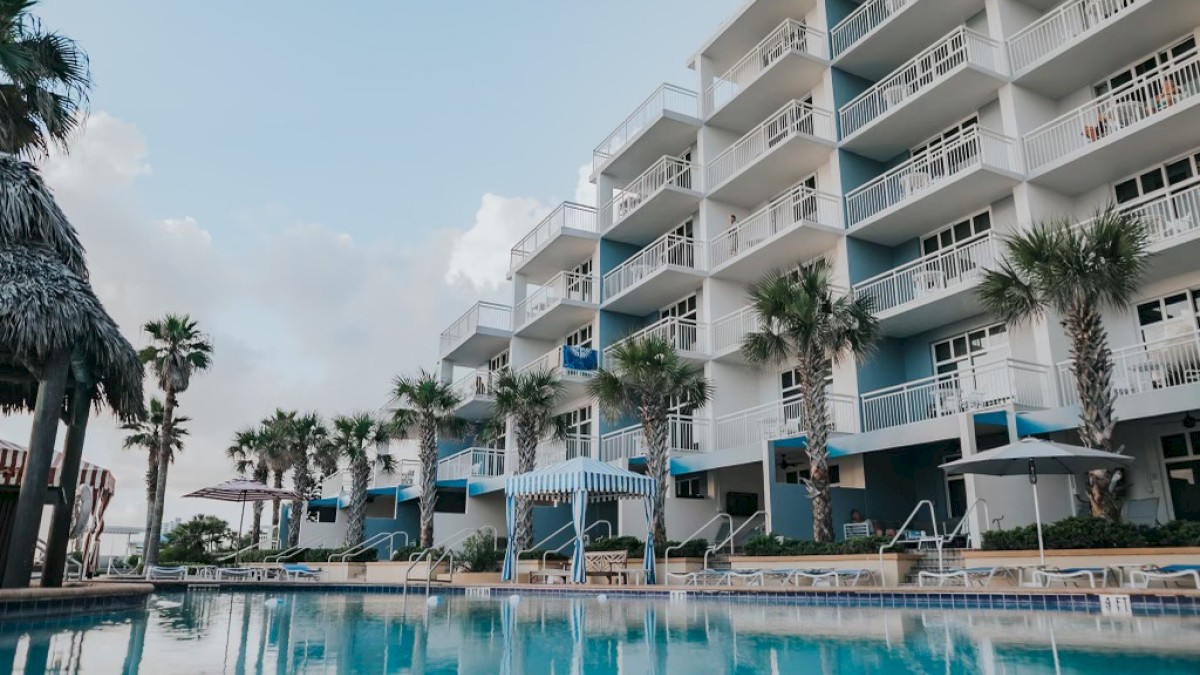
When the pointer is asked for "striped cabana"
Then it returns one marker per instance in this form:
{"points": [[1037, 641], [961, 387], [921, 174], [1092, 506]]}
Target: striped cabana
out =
{"points": [[579, 480]]}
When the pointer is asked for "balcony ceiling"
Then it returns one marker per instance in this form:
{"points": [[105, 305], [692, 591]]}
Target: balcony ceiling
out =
{"points": [[653, 217], [475, 408], [904, 34], [564, 251], [1087, 59], [926, 113], [1174, 257], [480, 346], [671, 134], [802, 241], [787, 79], [774, 171], [940, 308], [664, 285], [562, 318], [744, 30]]}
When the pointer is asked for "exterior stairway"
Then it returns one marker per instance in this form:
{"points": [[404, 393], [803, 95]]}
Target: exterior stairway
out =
{"points": [[952, 558]]}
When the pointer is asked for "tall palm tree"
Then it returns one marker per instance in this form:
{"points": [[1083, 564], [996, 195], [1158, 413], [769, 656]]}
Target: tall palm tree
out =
{"points": [[646, 379], [177, 351], [804, 323], [146, 434], [44, 82], [425, 405], [307, 440], [354, 436], [1076, 273], [248, 453], [277, 432], [529, 398]]}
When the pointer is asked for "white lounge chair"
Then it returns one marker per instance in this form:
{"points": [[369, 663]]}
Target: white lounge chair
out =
{"points": [[980, 575], [853, 576], [240, 573], [297, 571], [1144, 577], [161, 572], [1071, 575]]}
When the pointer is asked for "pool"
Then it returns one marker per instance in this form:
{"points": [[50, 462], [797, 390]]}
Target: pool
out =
{"points": [[204, 631]]}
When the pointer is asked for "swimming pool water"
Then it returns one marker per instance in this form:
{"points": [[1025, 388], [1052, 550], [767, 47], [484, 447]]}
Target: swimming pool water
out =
{"points": [[314, 632]]}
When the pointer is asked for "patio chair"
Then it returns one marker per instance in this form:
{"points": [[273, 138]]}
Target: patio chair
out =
{"points": [[1167, 573], [298, 571], [1071, 575], [852, 530], [1141, 511], [983, 576], [160, 572], [238, 573]]}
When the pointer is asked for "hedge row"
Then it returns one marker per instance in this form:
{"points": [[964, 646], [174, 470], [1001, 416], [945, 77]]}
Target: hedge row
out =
{"points": [[1088, 532], [775, 545]]}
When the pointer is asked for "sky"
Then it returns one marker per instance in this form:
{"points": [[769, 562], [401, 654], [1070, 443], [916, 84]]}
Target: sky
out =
{"points": [[325, 186]]}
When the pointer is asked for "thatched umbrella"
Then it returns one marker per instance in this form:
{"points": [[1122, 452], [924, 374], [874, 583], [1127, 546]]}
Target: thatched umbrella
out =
{"points": [[55, 339], [29, 214]]}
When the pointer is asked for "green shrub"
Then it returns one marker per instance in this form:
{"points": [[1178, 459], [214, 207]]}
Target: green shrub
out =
{"points": [[776, 545], [692, 549], [405, 552], [1087, 532], [480, 554], [1174, 533], [636, 547], [537, 553]]}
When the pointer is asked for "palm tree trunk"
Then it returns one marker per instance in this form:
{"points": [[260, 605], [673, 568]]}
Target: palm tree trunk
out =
{"points": [[1092, 360], [260, 475], [428, 498], [816, 417], [302, 478], [356, 515], [527, 442], [655, 427], [154, 536], [275, 507], [151, 490]]}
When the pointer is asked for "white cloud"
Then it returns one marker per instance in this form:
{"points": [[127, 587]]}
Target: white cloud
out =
{"points": [[585, 190]]}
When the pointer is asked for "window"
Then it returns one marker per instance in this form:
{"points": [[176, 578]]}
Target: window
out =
{"points": [[692, 486], [948, 137], [684, 333], [1170, 177], [1175, 315], [1146, 67], [580, 286], [956, 491], [578, 422], [953, 235], [322, 514], [977, 347], [683, 309], [685, 229], [581, 337], [1181, 457], [498, 362]]}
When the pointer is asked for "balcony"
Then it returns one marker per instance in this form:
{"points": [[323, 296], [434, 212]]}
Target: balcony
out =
{"points": [[478, 335], [664, 195], [781, 419], [685, 435], [1153, 366], [664, 124], [471, 463], [563, 238], [933, 290], [475, 394], [690, 339], [551, 311], [799, 225], [1137, 125], [665, 270], [788, 62], [974, 170], [941, 85], [1172, 230], [405, 472], [557, 451], [729, 331], [792, 143], [574, 366], [969, 389], [882, 33], [1080, 42]]}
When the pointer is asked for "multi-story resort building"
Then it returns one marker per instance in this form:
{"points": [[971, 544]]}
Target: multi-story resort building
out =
{"points": [[900, 139]]}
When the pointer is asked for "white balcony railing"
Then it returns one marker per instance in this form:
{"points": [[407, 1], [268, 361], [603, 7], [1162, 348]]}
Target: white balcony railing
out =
{"points": [[1108, 115], [1170, 361], [968, 389], [481, 315], [1061, 26], [792, 120], [684, 435], [684, 335], [666, 171], [564, 286], [919, 74], [798, 206], [730, 330], [863, 20], [471, 463], [790, 36], [585, 364], [479, 384], [669, 249], [931, 274], [405, 472], [568, 216], [1168, 216], [781, 419], [560, 450], [913, 178], [667, 98]]}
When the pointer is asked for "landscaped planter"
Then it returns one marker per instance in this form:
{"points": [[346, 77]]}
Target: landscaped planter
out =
{"points": [[477, 578], [1086, 557], [395, 572], [895, 565]]}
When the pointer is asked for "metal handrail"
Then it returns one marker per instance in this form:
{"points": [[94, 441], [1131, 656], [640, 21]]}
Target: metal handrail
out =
{"points": [[710, 521], [458, 538], [434, 565], [568, 542], [238, 553], [548, 538], [734, 533], [373, 542], [987, 523], [903, 528], [293, 550]]}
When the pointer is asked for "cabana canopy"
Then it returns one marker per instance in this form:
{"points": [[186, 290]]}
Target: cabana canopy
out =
{"points": [[579, 480]]}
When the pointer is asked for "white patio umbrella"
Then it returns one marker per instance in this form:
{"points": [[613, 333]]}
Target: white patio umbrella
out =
{"points": [[242, 490], [1032, 456]]}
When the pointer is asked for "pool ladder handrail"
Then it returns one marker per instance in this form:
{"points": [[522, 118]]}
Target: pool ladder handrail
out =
{"points": [[374, 542], [238, 553], [294, 550], [458, 538], [958, 529], [702, 528], [904, 528], [734, 533], [569, 542]]}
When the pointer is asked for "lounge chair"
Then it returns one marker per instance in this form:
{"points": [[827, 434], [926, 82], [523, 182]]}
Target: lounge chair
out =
{"points": [[1144, 577], [163, 573], [703, 577], [1071, 575], [748, 577], [980, 575], [296, 571], [238, 573], [853, 576]]}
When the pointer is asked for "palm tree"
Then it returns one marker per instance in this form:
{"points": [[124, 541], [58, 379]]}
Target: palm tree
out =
{"points": [[277, 432], [647, 378], [178, 351], [1076, 273], [425, 405], [354, 436], [146, 434], [529, 398], [45, 82], [248, 453], [803, 323], [307, 438]]}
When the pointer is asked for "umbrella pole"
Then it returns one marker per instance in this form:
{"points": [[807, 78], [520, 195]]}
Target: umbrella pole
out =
{"points": [[237, 556], [1037, 516]]}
